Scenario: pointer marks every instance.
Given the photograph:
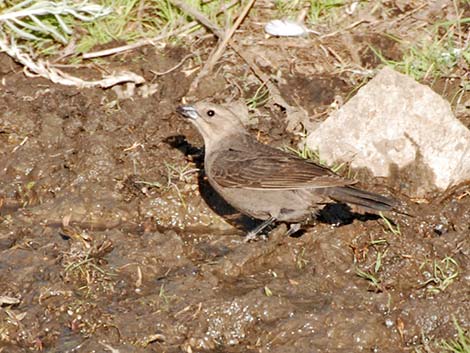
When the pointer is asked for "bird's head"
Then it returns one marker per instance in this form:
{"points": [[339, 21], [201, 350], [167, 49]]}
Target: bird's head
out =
{"points": [[213, 121]]}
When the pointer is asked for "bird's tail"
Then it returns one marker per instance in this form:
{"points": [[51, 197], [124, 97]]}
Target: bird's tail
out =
{"points": [[365, 200]]}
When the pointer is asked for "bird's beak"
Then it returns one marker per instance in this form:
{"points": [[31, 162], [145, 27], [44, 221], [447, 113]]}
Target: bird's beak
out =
{"points": [[188, 111]]}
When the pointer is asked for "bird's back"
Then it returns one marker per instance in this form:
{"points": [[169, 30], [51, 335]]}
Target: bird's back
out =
{"points": [[252, 175]]}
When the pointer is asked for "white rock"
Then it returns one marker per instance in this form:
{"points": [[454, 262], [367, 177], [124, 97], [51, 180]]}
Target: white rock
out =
{"points": [[393, 121]]}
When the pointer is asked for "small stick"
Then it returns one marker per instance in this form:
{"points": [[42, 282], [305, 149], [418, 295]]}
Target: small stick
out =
{"points": [[225, 38], [409, 13], [218, 53], [351, 26], [138, 44], [264, 78], [198, 16], [151, 41], [44, 69], [335, 55], [156, 73], [303, 13]]}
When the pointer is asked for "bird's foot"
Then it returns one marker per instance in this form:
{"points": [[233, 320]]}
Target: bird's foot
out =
{"points": [[293, 228], [251, 236], [255, 233]]}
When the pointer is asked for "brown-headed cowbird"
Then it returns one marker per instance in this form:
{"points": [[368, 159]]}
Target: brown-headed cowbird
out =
{"points": [[266, 183]]}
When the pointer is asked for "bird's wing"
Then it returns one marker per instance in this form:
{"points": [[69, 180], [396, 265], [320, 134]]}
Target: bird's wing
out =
{"points": [[270, 169]]}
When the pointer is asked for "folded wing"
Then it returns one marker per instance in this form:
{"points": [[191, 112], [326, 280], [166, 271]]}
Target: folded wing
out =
{"points": [[270, 169]]}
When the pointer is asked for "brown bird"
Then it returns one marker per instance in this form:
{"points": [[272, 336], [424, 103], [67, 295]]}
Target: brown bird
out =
{"points": [[266, 183]]}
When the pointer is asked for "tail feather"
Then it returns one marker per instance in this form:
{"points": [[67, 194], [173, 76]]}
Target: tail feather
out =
{"points": [[368, 201]]}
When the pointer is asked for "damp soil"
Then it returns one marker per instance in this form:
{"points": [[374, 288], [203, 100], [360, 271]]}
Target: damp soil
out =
{"points": [[111, 239]]}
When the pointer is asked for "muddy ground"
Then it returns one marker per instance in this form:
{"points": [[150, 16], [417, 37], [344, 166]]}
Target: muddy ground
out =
{"points": [[111, 239]]}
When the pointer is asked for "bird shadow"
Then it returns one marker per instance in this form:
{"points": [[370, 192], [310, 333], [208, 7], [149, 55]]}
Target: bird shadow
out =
{"points": [[337, 214]]}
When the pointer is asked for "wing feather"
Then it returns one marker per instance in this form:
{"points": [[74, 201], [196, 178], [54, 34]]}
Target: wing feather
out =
{"points": [[272, 169]]}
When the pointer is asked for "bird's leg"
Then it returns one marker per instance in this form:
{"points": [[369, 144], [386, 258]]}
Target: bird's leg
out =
{"points": [[293, 228], [253, 234]]}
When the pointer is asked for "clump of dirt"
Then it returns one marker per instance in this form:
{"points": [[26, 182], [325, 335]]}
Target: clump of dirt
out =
{"points": [[111, 238], [313, 92]]}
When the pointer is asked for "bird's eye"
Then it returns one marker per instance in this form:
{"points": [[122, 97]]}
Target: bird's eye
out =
{"points": [[210, 113]]}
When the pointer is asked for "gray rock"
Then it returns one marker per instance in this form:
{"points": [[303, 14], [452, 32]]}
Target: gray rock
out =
{"points": [[395, 123]]}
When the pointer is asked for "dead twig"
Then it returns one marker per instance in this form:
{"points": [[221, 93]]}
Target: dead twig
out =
{"points": [[243, 54], [138, 44], [219, 34], [334, 54], [351, 26], [156, 73], [218, 53], [151, 41], [295, 114], [183, 6], [452, 191], [407, 14], [45, 69]]}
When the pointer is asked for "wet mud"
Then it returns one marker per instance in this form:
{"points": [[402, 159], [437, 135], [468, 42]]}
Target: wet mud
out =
{"points": [[112, 240]]}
